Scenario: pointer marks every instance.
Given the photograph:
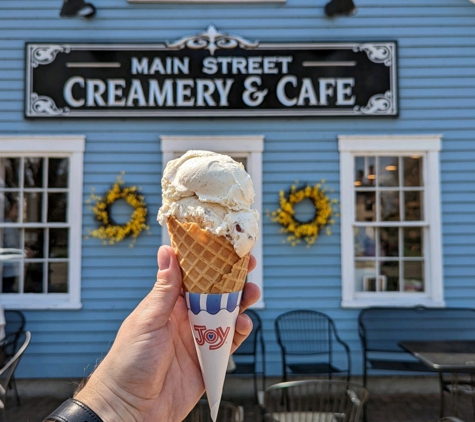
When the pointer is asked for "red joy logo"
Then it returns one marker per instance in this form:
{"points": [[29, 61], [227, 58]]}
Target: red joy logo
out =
{"points": [[215, 338]]}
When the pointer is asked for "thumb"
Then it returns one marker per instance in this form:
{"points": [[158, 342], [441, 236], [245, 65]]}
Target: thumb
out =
{"points": [[167, 288]]}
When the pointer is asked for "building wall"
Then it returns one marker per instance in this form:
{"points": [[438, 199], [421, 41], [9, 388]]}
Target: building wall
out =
{"points": [[436, 64]]}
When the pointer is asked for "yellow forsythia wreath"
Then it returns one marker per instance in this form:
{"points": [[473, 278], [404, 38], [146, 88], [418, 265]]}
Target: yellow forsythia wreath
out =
{"points": [[108, 229], [307, 230]]}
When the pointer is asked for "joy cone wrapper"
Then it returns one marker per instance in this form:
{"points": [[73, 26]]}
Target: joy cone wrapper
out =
{"points": [[213, 280]]}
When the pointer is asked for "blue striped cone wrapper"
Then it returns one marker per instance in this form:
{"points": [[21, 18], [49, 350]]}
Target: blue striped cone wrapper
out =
{"points": [[213, 321]]}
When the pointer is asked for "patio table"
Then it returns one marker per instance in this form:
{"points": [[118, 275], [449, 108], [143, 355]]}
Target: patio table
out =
{"points": [[452, 356]]}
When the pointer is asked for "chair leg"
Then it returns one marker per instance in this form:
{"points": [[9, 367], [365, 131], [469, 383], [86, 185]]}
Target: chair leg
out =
{"points": [[442, 398], [13, 386]]}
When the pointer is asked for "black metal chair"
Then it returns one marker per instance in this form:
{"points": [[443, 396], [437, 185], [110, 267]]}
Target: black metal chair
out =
{"points": [[15, 322], [314, 401], [12, 350], [228, 412], [306, 339], [252, 350]]}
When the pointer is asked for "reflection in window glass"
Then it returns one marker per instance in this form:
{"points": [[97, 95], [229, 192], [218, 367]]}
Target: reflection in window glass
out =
{"points": [[33, 175], [9, 172], [389, 206], [34, 277], [365, 241], [58, 172], [413, 276], [388, 174], [32, 207], [365, 171], [412, 206], [58, 277], [57, 207], [389, 241], [412, 171], [413, 241], [58, 243], [364, 270], [11, 206], [34, 243], [10, 276], [365, 206], [390, 269]]}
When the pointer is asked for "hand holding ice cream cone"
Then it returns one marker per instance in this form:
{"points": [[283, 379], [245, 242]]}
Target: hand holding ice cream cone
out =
{"points": [[206, 207]]}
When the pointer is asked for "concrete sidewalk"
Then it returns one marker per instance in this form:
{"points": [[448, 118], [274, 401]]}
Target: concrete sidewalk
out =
{"points": [[388, 402]]}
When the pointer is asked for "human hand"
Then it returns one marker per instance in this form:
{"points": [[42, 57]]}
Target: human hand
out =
{"points": [[152, 370]]}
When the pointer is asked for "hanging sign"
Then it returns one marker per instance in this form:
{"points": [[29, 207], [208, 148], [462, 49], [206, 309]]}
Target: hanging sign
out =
{"points": [[211, 74]]}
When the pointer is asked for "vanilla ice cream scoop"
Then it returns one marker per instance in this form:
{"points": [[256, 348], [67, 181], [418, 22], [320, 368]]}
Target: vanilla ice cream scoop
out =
{"points": [[213, 191]]}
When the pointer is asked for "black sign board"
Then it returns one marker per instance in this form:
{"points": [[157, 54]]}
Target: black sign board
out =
{"points": [[211, 74]]}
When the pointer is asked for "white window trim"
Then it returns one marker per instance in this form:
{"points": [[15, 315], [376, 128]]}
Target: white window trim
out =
{"points": [[249, 146], [427, 145], [73, 147]]}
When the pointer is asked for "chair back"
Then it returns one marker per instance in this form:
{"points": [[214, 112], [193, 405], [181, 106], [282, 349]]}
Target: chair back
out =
{"points": [[304, 332], [314, 401], [249, 346], [14, 321], [13, 348], [228, 412]]}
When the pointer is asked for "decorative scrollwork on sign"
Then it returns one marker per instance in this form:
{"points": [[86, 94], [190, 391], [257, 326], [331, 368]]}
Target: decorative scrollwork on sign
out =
{"points": [[46, 54], [377, 104], [211, 40], [43, 105], [376, 53]]}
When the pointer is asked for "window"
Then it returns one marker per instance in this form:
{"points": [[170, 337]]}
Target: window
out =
{"points": [[390, 221], [247, 150], [40, 221]]}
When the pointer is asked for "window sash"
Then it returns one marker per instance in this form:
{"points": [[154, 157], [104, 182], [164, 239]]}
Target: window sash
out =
{"points": [[54, 147], [427, 146]]}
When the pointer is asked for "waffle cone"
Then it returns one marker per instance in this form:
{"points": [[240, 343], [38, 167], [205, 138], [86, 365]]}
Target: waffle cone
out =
{"points": [[209, 263]]}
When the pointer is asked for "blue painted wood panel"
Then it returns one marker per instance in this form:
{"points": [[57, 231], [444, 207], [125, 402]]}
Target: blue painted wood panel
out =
{"points": [[436, 60]]}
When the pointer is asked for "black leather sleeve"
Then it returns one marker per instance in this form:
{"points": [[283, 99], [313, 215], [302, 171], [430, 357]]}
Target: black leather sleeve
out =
{"points": [[73, 411]]}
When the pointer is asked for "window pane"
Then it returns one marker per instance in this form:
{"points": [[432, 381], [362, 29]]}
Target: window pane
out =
{"points": [[365, 241], [58, 277], [390, 269], [10, 276], [413, 241], [412, 206], [34, 277], [10, 207], [33, 205], [389, 206], [364, 171], [363, 271], [388, 171], [33, 172], [58, 171], [389, 241], [57, 205], [34, 243], [412, 171], [413, 276], [10, 172], [365, 206], [58, 243]]}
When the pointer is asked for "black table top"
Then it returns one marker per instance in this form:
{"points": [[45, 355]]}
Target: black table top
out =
{"points": [[444, 356]]}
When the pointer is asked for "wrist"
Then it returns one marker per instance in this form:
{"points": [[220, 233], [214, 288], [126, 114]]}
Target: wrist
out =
{"points": [[103, 401], [73, 410]]}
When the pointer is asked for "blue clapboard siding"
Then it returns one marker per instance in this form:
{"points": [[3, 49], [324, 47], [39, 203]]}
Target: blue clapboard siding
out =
{"points": [[436, 78]]}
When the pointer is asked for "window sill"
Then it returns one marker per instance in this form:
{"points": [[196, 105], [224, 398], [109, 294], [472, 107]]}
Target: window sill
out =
{"points": [[39, 302], [405, 302]]}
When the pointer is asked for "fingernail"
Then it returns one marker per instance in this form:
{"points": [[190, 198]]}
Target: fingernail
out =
{"points": [[163, 258]]}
